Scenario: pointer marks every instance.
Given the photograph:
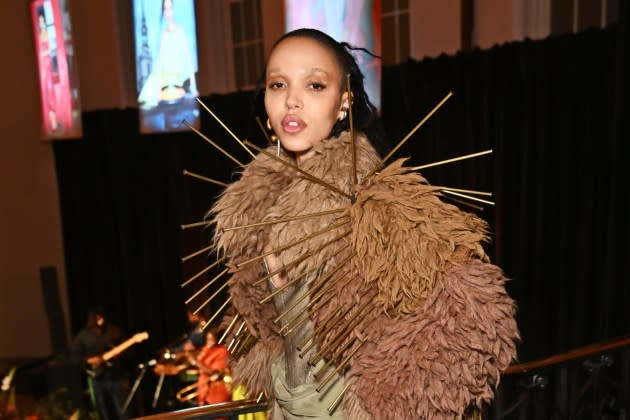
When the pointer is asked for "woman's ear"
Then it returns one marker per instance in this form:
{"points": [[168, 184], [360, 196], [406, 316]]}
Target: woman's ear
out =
{"points": [[345, 105]]}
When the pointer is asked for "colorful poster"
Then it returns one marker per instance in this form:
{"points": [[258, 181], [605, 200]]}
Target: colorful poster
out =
{"points": [[166, 64], [58, 81], [357, 22]]}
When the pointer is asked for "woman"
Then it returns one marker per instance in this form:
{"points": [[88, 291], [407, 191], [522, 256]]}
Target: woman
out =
{"points": [[384, 283], [212, 364]]}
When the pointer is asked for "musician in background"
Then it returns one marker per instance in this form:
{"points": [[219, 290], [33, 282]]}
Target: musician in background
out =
{"points": [[213, 384], [106, 380]]}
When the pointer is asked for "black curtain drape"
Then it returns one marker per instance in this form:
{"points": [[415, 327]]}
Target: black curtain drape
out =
{"points": [[554, 112]]}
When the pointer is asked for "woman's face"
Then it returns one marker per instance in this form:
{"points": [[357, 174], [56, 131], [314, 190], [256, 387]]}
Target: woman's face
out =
{"points": [[303, 94]]}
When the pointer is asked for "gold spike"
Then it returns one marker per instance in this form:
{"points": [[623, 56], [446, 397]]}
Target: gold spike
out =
{"points": [[337, 400], [307, 307], [316, 284], [323, 329], [350, 121], [227, 330], [288, 284], [411, 133], [331, 360], [225, 127], [240, 328], [302, 258], [223, 286], [225, 270], [300, 322], [358, 316], [295, 168], [262, 128], [463, 203], [455, 159], [285, 219], [216, 313], [459, 190], [216, 146], [342, 365], [292, 320], [292, 244], [196, 224], [205, 178], [208, 268], [469, 197], [194, 254]]}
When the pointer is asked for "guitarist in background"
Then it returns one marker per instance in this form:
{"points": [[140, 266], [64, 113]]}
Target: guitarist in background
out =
{"points": [[106, 379]]}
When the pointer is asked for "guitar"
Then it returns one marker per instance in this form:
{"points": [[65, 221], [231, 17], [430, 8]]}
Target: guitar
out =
{"points": [[115, 351]]}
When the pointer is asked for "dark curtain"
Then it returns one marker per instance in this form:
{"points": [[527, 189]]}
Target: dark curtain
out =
{"points": [[554, 112]]}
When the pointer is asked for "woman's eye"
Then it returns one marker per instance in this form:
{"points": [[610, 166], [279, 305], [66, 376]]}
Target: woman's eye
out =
{"points": [[317, 86], [275, 85]]}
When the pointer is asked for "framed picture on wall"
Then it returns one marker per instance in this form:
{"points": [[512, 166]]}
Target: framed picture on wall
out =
{"points": [[57, 70], [166, 64]]}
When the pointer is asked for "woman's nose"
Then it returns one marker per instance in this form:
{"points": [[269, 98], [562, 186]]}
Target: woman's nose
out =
{"points": [[293, 100]]}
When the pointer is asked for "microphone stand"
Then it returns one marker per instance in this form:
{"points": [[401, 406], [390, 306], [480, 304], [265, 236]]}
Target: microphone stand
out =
{"points": [[143, 370]]}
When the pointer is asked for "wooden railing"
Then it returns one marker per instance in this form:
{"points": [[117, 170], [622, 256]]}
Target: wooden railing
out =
{"points": [[211, 411], [576, 354]]}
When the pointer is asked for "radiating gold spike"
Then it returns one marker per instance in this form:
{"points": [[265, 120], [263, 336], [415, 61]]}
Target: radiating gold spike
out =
{"points": [[411, 133], [262, 128], [287, 285], [341, 366], [455, 159], [216, 146], [292, 244], [225, 270], [305, 318], [229, 327], [306, 174], [358, 316], [217, 312], [337, 400], [329, 363], [223, 286], [288, 328], [234, 339], [205, 178], [469, 197], [194, 254], [351, 122], [306, 308], [459, 190], [315, 285], [285, 219], [323, 329], [302, 258], [225, 127], [196, 224], [463, 203], [205, 270]]}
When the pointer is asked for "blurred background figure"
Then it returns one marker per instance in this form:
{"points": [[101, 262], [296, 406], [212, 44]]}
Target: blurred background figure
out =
{"points": [[214, 383], [107, 381]]}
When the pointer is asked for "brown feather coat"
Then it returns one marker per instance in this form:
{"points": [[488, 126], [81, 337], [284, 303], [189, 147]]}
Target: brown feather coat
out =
{"points": [[440, 327]]}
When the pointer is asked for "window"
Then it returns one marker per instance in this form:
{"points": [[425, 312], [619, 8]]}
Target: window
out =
{"points": [[395, 31]]}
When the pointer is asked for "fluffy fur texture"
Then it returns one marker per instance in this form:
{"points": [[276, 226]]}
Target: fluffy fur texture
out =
{"points": [[440, 327]]}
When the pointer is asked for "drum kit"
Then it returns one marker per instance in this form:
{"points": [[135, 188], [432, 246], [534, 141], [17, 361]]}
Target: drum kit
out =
{"points": [[182, 367]]}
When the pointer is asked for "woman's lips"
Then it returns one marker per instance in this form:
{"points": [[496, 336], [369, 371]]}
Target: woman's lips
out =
{"points": [[292, 124]]}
